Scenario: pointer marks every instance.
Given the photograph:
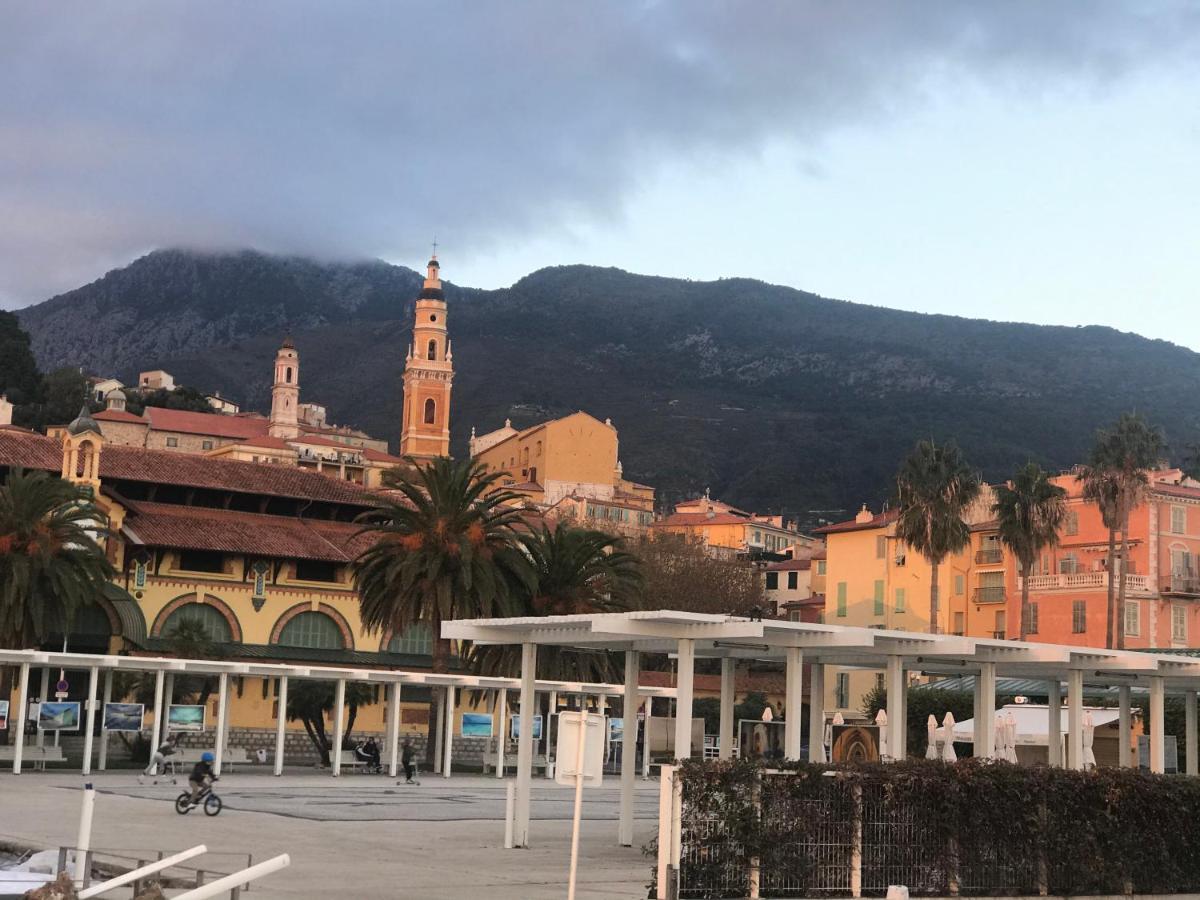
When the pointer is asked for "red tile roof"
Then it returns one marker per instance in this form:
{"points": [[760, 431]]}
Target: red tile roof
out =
{"points": [[791, 565], [315, 441], [214, 424], [267, 442], [118, 415], [380, 456], [878, 520], [703, 519], [35, 451], [228, 531], [1176, 490]]}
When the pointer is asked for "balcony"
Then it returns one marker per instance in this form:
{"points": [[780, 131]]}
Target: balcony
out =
{"points": [[989, 556], [1181, 583], [1088, 581], [989, 594]]}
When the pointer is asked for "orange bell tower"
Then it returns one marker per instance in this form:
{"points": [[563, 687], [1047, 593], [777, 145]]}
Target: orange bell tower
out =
{"points": [[428, 375]]}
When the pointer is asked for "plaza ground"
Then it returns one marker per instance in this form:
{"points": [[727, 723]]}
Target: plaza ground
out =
{"points": [[355, 836]]}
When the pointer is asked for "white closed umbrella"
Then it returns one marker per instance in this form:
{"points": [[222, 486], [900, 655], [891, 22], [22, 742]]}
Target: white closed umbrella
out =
{"points": [[948, 753], [931, 726], [998, 751], [1010, 738], [885, 749], [1089, 736]]}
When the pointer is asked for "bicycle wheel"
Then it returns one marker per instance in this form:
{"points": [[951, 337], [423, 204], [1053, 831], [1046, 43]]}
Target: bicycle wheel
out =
{"points": [[212, 805], [183, 803]]}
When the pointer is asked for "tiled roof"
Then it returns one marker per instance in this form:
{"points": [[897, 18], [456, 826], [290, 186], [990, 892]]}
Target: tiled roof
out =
{"points": [[229, 531], [315, 441], [878, 520], [703, 519], [214, 424], [35, 451], [791, 565], [524, 486], [118, 415], [379, 456], [266, 442], [1176, 490]]}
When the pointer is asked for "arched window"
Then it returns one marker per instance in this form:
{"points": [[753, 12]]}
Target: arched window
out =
{"points": [[314, 630], [433, 349], [288, 376], [215, 626], [430, 410], [416, 639]]}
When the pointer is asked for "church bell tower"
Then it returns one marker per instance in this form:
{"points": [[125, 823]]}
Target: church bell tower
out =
{"points": [[285, 392], [428, 374]]}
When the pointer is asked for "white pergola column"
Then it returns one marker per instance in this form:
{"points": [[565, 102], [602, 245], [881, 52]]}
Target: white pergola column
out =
{"points": [[895, 707], [728, 685], [1157, 748], [90, 719], [628, 747], [1189, 707], [648, 705], [281, 724], [987, 708], [448, 740], [816, 712], [168, 699], [339, 724], [501, 729], [551, 711], [1125, 724], [156, 728], [22, 717], [393, 728], [102, 762], [438, 735], [222, 713], [1075, 719], [525, 746], [683, 698], [793, 699], [977, 716], [40, 737], [1054, 723]]}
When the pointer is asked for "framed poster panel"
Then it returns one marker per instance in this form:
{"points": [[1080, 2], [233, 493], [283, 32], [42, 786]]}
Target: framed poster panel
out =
{"points": [[185, 718], [123, 716], [515, 727], [476, 725], [3, 715], [58, 715]]}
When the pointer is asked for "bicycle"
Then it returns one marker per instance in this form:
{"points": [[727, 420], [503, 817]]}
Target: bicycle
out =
{"points": [[206, 799]]}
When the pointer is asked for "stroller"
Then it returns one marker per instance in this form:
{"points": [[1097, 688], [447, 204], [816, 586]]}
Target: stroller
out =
{"points": [[368, 753]]}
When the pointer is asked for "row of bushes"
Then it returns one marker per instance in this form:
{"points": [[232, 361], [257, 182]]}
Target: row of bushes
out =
{"points": [[976, 828]]}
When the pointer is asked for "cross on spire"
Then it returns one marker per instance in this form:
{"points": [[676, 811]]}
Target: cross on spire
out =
{"points": [[435, 246]]}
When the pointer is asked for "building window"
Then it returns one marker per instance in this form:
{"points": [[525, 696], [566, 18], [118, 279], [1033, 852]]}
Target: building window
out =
{"points": [[841, 599], [416, 639], [900, 604], [430, 410], [200, 616], [1178, 520], [1068, 565], [260, 570], [172, 442], [206, 445], [879, 598], [314, 630], [772, 581], [881, 546], [288, 375], [1179, 624], [959, 622], [1133, 618], [1079, 616], [202, 561], [1072, 523], [842, 691], [432, 353], [959, 585], [820, 567], [316, 570], [1031, 625], [1000, 627], [793, 580], [139, 573]]}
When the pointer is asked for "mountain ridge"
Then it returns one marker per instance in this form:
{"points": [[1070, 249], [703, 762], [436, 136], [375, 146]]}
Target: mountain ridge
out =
{"points": [[773, 397]]}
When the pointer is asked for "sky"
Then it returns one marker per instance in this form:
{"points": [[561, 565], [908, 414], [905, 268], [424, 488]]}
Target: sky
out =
{"points": [[1020, 160]]}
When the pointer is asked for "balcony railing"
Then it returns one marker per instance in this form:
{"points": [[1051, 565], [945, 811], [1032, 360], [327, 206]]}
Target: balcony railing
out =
{"points": [[1181, 583], [989, 594], [1084, 581], [989, 556]]}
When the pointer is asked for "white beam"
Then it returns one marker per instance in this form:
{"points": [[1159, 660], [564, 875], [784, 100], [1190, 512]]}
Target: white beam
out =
{"points": [[1157, 748], [648, 705], [339, 725], [1054, 730], [393, 728], [628, 747], [793, 699], [1075, 719], [160, 714], [683, 701], [448, 740], [90, 720], [816, 712], [102, 762], [895, 707], [987, 708], [728, 684], [22, 717], [1125, 724], [281, 724], [524, 745], [501, 729], [222, 712], [1189, 706]]}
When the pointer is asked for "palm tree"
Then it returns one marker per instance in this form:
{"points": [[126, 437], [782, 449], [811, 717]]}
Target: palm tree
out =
{"points": [[575, 570], [1031, 510], [309, 702], [448, 548], [189, 639], [935, 486], [1117, 478]]}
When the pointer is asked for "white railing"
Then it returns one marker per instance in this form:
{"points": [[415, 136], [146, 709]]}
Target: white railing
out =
{"points": [[1081, 581]]}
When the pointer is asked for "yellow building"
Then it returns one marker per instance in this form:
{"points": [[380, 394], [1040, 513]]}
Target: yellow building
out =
{"points": [[569, 468], [734, 533]]}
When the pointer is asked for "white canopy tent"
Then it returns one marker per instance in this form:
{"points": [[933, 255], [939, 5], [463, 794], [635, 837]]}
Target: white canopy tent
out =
{"points": [[730, 638]]}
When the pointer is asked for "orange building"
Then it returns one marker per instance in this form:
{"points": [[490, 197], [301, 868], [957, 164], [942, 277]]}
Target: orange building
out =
{"points": [[428, 375]]}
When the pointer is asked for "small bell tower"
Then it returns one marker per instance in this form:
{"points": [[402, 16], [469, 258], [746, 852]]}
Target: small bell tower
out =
{"points": [[82, 443], [428, 374], [285, 392]]}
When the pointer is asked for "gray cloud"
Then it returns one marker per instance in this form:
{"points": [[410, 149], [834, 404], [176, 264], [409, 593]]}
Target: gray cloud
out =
{"points": [[357, 129]]}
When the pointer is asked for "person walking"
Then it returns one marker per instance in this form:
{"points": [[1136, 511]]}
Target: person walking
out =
{"points": [[406, 759], [158, 759]]}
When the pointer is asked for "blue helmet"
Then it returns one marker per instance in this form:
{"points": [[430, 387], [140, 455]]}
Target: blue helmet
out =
{"points": [[206, 757]]}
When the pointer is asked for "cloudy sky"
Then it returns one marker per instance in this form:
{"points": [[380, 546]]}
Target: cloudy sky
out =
{"points": [[1016, 160]]}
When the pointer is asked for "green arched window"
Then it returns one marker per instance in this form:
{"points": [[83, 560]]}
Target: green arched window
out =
{"points": [[314, 630], [416, 639], [214, 624]]}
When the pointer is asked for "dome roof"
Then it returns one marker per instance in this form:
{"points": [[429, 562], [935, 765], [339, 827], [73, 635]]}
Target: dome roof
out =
{"points": [[434, 264], [115, 394], [83, 423], [287, 344]]}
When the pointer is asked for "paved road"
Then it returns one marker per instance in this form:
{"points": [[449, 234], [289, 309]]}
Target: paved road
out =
{"points": [[361, 836]]}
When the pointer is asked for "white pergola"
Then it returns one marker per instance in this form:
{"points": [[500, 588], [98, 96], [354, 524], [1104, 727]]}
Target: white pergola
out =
{"points": [[165, 669], [729, 638]]}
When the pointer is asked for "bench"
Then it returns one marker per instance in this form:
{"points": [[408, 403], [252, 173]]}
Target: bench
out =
{"points": [[189, 756], [354, 764], [510, 762], [33, 756]]}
